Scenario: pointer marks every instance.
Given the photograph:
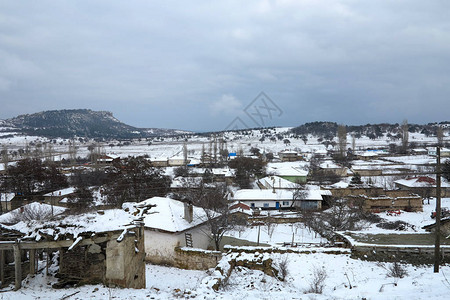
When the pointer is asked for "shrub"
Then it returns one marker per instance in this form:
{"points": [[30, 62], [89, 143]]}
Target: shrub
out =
{"points": [[317, 283]]}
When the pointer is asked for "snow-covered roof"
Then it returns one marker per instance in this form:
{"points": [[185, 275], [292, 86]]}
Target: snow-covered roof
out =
{"points": [[279, 182], [74, 225], [237, 206], [285, 169], [63, 192], [340, 185], [168, 215], [330, 165], [216, 171], [420, 181], [288, 152], [7, 197]]}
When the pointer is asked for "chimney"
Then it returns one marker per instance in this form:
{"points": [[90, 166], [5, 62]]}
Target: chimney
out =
{"points": [[188, 212]]}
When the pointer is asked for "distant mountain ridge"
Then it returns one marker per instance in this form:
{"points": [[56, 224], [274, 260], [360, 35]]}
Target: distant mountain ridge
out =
{"points": [[68, 123]]}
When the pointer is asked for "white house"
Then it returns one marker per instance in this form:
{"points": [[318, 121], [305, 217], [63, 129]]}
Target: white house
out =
{"points": [[170, 224], [280, 199]]}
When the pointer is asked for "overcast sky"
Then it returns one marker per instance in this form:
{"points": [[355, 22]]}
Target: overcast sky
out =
{"points": [[198, 65]]}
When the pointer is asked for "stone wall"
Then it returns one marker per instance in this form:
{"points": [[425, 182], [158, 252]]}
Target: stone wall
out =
{"points": [[356, 191], [382, 203], [196, 259], [84, 264], [413, 255]]}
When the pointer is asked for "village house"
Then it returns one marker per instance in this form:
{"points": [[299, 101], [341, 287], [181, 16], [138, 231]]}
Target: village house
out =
{"points": [[215, 174], [288, 171], [280, 199], [423, 185], [289, 155], [410, 202], [6, 201], [432, 151], [276, 182], [57, 197], [159, 162], [330, 166], [239, 212], [106, 159], [172, 224]]}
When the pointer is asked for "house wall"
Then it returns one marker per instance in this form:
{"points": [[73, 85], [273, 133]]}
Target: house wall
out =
{"points": [[413, 203], [160, 246], [271, 204], [368, 172], [353, 191], [445, 192], [284, 204], [6, 206]]}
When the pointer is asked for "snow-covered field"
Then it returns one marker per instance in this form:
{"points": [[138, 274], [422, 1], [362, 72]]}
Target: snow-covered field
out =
{"points": [[346, 278], [416, 219], [278, 234]]}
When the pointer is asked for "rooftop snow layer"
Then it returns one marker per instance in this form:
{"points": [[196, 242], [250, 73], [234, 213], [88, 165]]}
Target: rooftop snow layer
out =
{"points": [[168, 215]]}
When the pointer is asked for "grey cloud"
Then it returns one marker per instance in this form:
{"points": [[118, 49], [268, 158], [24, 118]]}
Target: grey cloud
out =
{"points": [[165, 64]]}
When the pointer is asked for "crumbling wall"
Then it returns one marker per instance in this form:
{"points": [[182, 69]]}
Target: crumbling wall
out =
{"points": [[84, 264], [196, 259], [125, 261]]}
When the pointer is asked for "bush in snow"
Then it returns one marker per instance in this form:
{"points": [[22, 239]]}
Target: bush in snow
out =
{"points": [[317, 283], [283, 268], [397, 270]]}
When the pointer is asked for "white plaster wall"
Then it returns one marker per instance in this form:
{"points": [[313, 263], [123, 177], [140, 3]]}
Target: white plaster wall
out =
{"points": [[160, 247]]}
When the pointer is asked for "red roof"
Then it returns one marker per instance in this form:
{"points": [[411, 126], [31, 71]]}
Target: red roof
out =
{"points": [[240, 205]]}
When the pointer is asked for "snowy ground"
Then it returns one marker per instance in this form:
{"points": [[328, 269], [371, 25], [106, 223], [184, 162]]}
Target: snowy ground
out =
{"points": [[277, 234], [417, 219], [346, 278]]}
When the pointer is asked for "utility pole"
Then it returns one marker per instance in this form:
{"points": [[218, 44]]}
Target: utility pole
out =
{"points": [[438, 211]]}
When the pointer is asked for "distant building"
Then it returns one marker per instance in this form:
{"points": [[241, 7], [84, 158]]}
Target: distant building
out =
{"points": [[289, 155], [294, 174], [280, 199]]}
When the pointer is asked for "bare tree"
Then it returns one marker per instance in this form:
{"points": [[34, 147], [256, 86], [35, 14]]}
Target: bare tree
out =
{"points": [[299, 193], [405, 136], [213, 201], [440, 136], [185, 155], [5, 157], [317, 283], [353, 142], [342, 140], [31, 212]]}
